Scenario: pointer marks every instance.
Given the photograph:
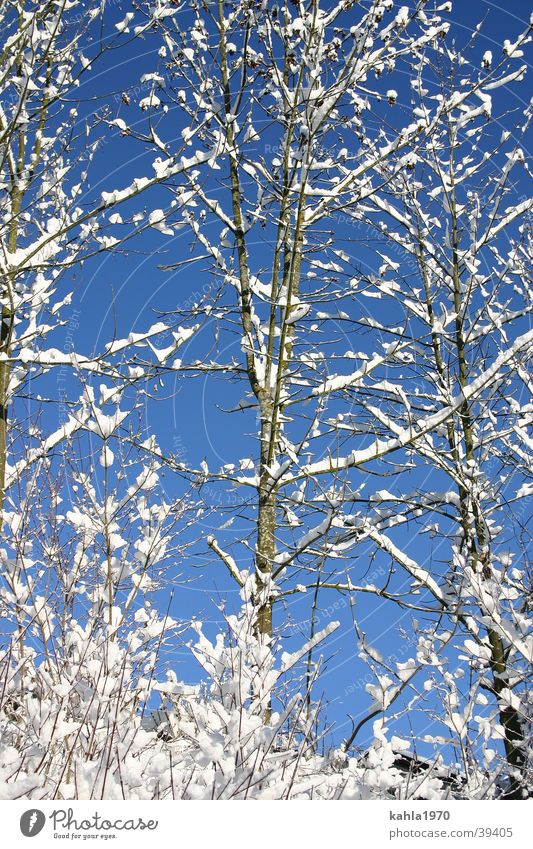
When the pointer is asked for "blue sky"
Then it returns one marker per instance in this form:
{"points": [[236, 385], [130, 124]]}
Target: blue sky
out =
{"points": [[127, 290]]}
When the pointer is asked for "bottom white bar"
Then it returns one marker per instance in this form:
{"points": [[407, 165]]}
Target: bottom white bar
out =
{"points": [[263, 825]]}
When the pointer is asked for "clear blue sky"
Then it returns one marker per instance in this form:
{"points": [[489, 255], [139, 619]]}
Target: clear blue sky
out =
{"points": [[127, 291]]}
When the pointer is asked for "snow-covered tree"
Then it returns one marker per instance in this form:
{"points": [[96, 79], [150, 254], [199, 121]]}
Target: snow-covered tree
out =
{"points": [[52, 219], [80, 628], [280, 100], [456, 219], [318, 155]]}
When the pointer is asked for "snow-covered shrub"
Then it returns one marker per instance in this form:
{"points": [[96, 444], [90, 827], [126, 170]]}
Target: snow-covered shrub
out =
{"points": [[75, 725]]}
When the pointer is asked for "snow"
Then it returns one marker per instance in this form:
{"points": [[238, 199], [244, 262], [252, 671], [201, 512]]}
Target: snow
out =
{"points": [[106, 457], [114, 527], [134, 338], [123, 25], [152, 101], [383, 447], [157, 219]]}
